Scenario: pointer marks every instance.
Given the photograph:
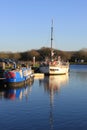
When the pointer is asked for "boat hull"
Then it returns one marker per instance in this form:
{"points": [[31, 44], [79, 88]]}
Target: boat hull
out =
{"points": [[17, 78], [54, 70], [19, 84]]}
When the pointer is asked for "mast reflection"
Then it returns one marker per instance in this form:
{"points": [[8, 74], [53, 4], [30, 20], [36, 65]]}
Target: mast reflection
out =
{"points": [[52, 85]]}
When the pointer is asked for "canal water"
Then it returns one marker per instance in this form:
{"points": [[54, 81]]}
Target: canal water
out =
{"points": [[49, 103]]}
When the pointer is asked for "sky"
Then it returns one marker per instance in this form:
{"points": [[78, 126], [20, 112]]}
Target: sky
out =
{"points": [[26, 24]]}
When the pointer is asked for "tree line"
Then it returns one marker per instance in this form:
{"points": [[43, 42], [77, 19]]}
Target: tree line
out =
{"points": [[43, 53]]}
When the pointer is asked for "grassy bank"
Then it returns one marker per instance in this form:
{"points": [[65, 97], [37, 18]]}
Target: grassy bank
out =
{"points": [[78, 63]]}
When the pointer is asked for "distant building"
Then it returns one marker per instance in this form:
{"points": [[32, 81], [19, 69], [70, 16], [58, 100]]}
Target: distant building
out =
{"points": [[79, 61]]}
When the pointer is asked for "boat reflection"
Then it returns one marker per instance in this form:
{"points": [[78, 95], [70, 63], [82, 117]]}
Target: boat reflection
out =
{"points": [[16, 93], [52, 84]]}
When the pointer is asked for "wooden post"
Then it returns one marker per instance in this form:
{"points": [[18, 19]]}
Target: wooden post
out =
{"points": [[33, 61], [2, 66]]}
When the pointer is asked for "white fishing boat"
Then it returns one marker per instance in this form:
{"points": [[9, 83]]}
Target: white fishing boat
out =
{"points": [[54, 65]]}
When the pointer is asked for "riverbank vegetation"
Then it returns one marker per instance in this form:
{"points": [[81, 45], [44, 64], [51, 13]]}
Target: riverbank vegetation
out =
{"points": [[74, 57]]}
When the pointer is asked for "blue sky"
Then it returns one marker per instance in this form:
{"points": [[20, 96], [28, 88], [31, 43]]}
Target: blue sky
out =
{"points": [[26, 24]]}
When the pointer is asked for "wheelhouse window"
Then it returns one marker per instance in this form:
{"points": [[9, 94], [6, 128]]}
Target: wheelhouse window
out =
{"points": [[54, 69]]}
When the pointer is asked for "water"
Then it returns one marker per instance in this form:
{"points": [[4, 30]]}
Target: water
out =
{"points": [[52, 103]]}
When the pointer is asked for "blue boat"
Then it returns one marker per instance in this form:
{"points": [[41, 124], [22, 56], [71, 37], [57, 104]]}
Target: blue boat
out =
{"points": [[18, 77]]}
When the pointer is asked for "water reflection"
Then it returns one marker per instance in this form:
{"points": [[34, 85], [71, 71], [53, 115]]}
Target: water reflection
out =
{"points": [[52, 84], [16, 93]]}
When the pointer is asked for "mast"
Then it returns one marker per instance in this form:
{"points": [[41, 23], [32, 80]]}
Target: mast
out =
{"points": [[51, 34], [52, 40]]}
